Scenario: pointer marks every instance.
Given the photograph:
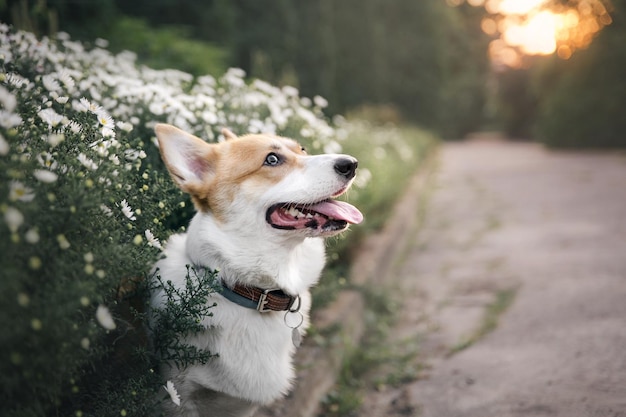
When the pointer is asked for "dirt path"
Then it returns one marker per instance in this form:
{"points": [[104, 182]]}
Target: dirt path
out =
{"points": [[516, 287]]}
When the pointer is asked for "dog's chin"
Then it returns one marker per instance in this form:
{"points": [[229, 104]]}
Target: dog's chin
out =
{"points": [[322, 219]]}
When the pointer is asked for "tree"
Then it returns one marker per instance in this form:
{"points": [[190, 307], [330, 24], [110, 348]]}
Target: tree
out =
{"points": [[581, 100]]}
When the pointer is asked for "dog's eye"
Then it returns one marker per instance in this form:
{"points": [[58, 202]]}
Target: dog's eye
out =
{"points": [[303, 149], [272, 160]]}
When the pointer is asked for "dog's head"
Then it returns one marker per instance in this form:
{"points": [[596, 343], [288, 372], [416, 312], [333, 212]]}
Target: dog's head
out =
{"points": [[262, 181]]}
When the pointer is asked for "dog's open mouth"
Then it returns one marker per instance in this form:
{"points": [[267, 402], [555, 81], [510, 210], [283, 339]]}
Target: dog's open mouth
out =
{"points": [[325, 216]]}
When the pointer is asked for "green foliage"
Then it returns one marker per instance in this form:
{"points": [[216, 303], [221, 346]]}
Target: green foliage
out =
{"points": [[47, 17], [376, 362], [426, 58], [388, 156], [182, 314], [66, 244], [72, 249], [517, 103], [582, 100], [574, 103], [166, 47], [84, 206], [464, 88]]}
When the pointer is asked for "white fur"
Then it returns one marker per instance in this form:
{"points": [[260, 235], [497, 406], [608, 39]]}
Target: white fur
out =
{"points": [[255, 349]]}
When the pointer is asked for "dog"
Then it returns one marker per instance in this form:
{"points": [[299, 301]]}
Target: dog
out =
{"points": [[263, 208]]}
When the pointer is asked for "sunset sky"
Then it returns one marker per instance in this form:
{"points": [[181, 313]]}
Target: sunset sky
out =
{"points": [[536, 27]]}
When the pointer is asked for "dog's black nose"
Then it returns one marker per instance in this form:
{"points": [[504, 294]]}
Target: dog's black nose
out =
{"points": [[346, 167]]}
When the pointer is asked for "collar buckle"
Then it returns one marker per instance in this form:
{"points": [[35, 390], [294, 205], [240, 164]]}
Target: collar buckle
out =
{"points": [[262, 306]]}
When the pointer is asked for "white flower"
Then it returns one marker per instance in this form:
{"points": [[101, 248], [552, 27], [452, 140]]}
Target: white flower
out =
{"points": [[55, 138], [50, 83], [82, 105], [84, 343], [105, 119], [171, 390], [106, 211], [45, 176], [107, 132], [4, 145], [89, 106], [9, 120], [306, 132], [87, 163], [290, 91], [7, 99], [74, 126], [62, 100], [364, 177], [19, 192], [51, 117], [17, 80], [103, 315], [125, 126], [255, 126], [66, 79], [234, 77], [206, 80], [320, 102], [47, 160], [133, 154], [63, 242], [128, 212], [101, 147], [102, 43], [332, 147], [13, 218], [157, 108], [32, 236], [6, 54], [152, 241]]}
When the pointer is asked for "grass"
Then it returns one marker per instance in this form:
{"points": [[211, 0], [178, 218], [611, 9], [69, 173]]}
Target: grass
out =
{"points": [[375, 363], [493, 312], [390, 155]]}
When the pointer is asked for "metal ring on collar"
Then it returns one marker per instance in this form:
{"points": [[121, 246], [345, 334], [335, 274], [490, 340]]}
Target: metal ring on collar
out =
{"points": [[295, 310]]}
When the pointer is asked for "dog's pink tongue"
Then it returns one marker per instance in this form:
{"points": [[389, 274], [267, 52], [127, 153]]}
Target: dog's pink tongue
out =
{"points": [[339, 210]]}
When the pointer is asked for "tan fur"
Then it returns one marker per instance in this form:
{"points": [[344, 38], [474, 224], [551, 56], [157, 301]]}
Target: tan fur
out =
{"points": [[233, 162]]}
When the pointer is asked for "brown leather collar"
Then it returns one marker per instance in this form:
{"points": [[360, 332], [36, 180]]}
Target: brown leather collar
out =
{"points": [[262, 300]]}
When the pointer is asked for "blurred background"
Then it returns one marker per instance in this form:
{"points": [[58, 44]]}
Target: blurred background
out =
{"points": [[546, 70]]}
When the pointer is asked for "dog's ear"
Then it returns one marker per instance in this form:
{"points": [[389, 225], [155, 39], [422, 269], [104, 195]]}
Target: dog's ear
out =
{"points": [[189, 159], [228, 134]]}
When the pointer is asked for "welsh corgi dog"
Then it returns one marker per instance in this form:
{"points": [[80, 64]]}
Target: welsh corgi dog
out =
{"points": [[263, 207]]}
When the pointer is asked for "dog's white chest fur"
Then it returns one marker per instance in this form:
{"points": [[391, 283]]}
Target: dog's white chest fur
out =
{"points": [[255, 349]]}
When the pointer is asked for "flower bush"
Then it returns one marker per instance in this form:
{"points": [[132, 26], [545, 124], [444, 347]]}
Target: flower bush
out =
{"points": [[86, 206]]}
